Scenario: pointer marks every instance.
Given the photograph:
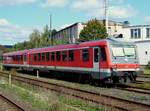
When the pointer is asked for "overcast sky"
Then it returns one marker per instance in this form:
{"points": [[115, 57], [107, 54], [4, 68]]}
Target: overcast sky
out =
{"points": [[19, 17]]}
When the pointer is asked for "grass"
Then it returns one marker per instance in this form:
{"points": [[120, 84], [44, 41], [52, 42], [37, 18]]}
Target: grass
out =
{"points": [[46, 100], [143, 85], [147, 71], [79, 104]]}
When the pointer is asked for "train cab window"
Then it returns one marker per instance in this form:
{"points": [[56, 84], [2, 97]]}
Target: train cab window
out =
{"points": [[103, 54], [58, 55], [39, 57], [85, 55], [43, 56], [64, 56], [71, 55], [47, 56], [53, 56]]}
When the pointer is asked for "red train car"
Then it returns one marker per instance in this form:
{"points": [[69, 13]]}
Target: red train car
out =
{"points": [[106, 60]]}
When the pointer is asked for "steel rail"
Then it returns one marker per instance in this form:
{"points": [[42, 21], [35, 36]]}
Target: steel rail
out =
{"points": [[12, 104], [118, 103]]}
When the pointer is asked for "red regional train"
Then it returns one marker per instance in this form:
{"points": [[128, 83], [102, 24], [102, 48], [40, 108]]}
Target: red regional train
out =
{"points": [[106, 60]]}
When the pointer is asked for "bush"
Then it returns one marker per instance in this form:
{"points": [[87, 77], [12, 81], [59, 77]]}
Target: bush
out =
{"points": [[148, 66]]}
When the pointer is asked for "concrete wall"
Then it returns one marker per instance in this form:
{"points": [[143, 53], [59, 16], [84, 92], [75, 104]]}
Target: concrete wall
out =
{"points": [[143, 49]]}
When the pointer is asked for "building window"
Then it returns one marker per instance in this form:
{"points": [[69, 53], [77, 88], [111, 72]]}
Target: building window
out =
{"points": [[136, 33], [146, 52], [85, 55], [148, 32]]}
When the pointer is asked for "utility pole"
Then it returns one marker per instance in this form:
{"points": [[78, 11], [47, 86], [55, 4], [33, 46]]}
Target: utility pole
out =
{"points": [[50, 29], [106, 14]]}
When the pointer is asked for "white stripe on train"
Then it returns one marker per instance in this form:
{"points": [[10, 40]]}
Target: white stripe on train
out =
{"points": [[71, 68]]}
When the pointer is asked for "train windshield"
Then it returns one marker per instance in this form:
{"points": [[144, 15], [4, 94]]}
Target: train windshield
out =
{"points": [[123, 51]]}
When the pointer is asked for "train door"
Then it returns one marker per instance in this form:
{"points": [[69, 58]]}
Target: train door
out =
{"points": [[96, 57], [25, 59]]}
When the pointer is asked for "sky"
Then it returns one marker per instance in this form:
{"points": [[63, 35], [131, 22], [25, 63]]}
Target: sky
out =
{"points": [[18, 18]]}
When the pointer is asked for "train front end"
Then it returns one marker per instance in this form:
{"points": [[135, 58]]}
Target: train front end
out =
{"points": [[124, 63]]}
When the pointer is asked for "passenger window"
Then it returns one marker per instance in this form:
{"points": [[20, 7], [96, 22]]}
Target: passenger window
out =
{"points": [[58, 55], [35, 57], [103, 54], [53, 56], [64, 56], [47, 56], [39, 56], [85, 55], [71, 55], [25, 58], [12, 57], [43, 56], [19, 58]]}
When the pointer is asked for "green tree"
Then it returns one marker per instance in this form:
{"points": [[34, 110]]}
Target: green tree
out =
{"points": [[52, 36], [54, 31], [34, 39], [93, 31], [45, 38]]}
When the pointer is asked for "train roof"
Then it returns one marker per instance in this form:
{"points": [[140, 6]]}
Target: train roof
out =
{"points": [[68, 46], [16, 53]]}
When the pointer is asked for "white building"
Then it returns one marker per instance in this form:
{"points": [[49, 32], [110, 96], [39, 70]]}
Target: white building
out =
{"points": [[71, 32], [114, 28], [140, 35], [136, 32], [143, 49]]}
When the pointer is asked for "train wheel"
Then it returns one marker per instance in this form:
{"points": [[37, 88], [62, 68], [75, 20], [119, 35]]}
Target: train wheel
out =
{"points": [[115, 79], [133, 76], [121, 80], [127, 79]]}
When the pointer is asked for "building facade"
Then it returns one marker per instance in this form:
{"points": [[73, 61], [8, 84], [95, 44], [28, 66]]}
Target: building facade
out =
{"points": [[71, 32], [114, 28], [140, 35], [143, 51], [136, 33]]}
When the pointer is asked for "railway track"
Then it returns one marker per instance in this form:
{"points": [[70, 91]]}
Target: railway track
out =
{"points": [[115, 102], [131, 88], [141, 81], [137, 90], [8, 105], [143, 76]]}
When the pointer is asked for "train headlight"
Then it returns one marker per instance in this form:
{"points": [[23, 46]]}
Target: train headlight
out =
{"points": [[114, 68]]}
